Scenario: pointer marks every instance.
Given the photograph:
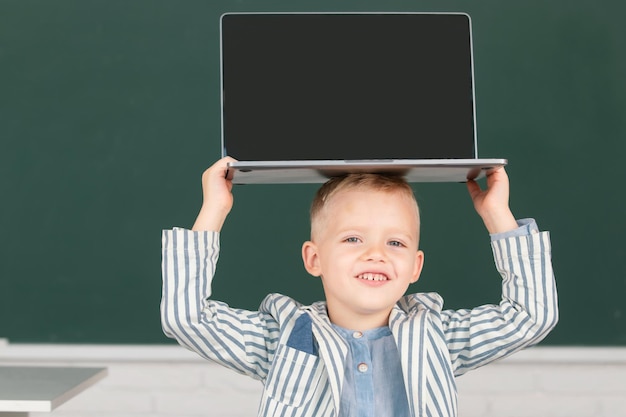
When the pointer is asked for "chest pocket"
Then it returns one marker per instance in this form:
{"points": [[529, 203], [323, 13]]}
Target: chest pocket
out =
{"points": [[294, 377]]}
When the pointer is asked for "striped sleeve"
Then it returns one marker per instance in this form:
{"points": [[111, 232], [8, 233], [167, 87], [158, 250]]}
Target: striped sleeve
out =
{"points": [[241, 340], [527, 312]]}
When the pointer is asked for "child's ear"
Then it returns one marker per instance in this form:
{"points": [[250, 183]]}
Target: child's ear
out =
{"points": [[419, 264], [310, 258]]}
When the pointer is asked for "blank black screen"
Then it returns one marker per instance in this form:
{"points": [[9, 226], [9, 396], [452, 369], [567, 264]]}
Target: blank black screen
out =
{"points": [[347, 86]]}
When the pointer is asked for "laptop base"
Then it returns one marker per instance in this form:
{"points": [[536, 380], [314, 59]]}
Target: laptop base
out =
{"points": [[303, 172]]}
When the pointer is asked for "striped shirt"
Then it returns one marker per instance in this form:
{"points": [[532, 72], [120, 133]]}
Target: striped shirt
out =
{"points": [[305, 377]]}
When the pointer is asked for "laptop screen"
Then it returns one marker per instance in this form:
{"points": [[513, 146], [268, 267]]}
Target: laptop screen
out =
{"points": [[347, 86]]}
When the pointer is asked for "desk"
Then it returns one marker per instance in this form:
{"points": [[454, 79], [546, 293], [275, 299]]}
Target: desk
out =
{"points": [[42, 389]]}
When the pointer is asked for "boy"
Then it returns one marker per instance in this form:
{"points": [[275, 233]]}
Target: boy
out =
{"points": [[368, 350]]}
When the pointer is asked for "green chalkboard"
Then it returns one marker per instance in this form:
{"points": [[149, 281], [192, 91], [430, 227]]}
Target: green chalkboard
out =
{"points": [[109, 113]]}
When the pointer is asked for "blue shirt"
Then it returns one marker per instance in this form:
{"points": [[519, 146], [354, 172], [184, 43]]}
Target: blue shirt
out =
{"points": [[373, 385]]}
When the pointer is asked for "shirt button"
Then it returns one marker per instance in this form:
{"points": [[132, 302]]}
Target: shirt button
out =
{"points": [[357, 335], [362, 367]]}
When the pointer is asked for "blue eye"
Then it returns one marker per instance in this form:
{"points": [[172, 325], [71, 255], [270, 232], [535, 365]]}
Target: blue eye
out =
{"points": [[352, 239], [396, 243]]}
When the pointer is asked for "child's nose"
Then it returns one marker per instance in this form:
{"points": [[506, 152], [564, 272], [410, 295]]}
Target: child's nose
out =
{"points": [[374, 252]]}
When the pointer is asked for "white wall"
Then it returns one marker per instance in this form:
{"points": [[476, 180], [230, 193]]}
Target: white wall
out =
{"points": [[169, 381]]}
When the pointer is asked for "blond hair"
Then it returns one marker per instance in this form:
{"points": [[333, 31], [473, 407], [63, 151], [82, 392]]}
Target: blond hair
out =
{"points": [[387, 183]]}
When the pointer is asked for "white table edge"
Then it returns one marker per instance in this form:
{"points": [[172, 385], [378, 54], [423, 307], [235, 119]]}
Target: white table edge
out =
{"points": [[22, 407], [103, 372]]}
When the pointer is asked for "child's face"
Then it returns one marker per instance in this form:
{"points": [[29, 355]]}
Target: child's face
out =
{"points": [[366, 254]]}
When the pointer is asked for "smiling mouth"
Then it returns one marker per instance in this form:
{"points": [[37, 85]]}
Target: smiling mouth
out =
{"points": [[369, 276]]}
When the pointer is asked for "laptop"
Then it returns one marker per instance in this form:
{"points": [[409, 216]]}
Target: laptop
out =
{"points": [[309, 96]]}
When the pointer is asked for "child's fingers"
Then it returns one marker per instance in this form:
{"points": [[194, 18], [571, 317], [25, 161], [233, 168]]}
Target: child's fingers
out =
{"points": [[474, 189]]}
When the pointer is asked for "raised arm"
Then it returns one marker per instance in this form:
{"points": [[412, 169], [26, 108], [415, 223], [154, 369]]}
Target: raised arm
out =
{"points": [[525, 315], [239, 339], [528, 310]]}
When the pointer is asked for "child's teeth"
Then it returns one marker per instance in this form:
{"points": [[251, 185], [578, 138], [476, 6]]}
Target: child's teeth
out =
{"points": [[373, 277]]}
